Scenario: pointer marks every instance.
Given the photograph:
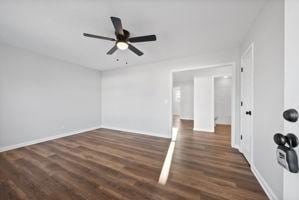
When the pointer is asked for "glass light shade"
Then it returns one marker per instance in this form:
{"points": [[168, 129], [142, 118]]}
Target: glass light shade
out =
{"points": [[122, 45]]}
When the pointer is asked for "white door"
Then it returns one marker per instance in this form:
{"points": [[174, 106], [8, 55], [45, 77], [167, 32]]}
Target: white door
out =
{"points": [[291, 87], [246, 102]]}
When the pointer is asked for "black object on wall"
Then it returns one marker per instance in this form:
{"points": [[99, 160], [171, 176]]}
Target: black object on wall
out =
{"points": [[291, 115], [286, 155]]}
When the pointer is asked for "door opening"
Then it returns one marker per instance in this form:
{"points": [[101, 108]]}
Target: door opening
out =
{"points": [[207, 99]]}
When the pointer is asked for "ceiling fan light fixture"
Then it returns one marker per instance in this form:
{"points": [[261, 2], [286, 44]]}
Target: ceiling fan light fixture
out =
{"points": [[122, 45]]}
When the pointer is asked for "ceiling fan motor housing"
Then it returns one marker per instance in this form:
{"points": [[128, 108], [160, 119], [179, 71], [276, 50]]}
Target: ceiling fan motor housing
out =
{"points": [[123, 38]]}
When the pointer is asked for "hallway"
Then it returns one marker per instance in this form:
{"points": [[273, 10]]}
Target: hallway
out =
{"points": [[207, 166]]}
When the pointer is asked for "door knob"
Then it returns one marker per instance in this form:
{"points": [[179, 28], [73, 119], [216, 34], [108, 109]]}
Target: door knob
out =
{"points": [[248, 112], [291, 115], [290, 139]]}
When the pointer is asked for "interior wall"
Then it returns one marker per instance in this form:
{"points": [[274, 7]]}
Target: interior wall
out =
{"points": [[267, 35], [186, 103], [187, 100], [223, 95], [176, 103], [41, 97], [138, 98], [204, 104]]}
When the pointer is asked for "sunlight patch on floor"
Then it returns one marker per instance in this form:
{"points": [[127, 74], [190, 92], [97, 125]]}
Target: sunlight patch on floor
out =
{"points": [[167, 162], [174, 133]]}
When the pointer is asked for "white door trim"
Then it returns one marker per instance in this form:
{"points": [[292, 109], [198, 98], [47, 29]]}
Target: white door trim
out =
{"points": [[250, 48], [235, 108]]}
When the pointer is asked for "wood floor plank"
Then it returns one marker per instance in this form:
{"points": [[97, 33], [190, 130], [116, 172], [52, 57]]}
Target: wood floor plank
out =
{"points": [[109, 164]]}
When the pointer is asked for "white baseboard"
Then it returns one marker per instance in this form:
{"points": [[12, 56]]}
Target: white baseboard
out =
{"points": [[135, 131], [204, 130], [235, 146], [23, 144], [183, 118], [264, 184], [228, 124]]}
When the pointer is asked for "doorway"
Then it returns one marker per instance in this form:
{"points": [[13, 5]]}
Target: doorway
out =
{"points": [[222, 98]]}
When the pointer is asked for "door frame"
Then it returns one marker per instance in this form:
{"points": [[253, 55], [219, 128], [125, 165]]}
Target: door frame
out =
{"points": [[235, 101], [249, 48]]}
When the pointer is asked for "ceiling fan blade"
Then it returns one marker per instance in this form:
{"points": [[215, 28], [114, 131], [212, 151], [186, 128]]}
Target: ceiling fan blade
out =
{"points": [[146, 38], [99, 37], [112, 50], [117, 25], [135, 50]]}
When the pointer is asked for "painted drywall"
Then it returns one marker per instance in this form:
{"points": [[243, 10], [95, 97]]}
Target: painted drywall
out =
{"points": [[204, 104], [187, 97], [176, 101], [41, 97], [223, 95], [267, 34], [185, 106], [139, 98]]}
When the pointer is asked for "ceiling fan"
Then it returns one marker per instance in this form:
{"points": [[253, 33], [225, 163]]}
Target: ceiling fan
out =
{"points": [[123, 39]]}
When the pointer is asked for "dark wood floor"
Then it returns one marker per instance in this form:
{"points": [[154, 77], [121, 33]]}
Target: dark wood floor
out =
{"points": [[107, 164], [207, 166]]}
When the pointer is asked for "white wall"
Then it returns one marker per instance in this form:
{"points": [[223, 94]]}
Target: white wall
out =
{"points": [[176, 103], [187, 98], [186, 104], [42, 97], [223, 95], [267, 34], [204, 104], [139, 98]]}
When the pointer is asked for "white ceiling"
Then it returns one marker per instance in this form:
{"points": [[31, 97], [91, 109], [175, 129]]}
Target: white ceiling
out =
{"points": [[183, 28]]}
